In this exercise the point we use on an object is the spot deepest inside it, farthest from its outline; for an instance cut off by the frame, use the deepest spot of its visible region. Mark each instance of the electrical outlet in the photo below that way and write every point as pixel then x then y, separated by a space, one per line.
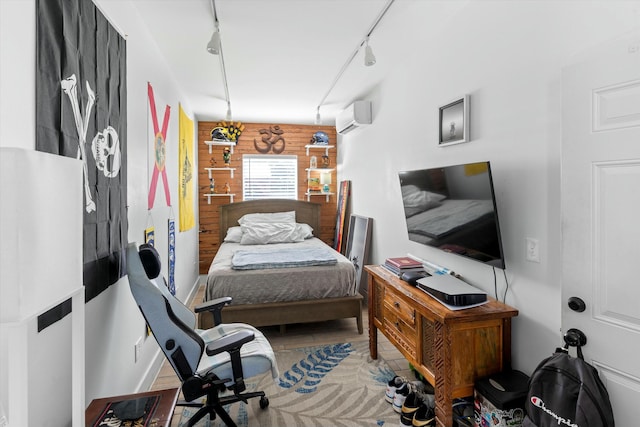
pixel 138 349
pixel 532 249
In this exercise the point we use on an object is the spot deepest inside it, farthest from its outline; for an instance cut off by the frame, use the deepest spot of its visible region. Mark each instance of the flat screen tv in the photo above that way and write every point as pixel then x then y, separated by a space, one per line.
pixel 453 208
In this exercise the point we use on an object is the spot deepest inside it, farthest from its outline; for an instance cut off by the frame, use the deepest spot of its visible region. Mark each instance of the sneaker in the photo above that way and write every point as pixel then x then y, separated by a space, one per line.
pixel 403 391
pixel 393 384
pixel 413 401
pixel 424 416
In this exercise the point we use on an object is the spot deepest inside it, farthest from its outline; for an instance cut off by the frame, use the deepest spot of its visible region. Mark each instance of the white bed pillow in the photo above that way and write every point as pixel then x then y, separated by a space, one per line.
pixel 305 230
pixel 301 232
pixel 270 232
pixel 234 235
pixel 281 217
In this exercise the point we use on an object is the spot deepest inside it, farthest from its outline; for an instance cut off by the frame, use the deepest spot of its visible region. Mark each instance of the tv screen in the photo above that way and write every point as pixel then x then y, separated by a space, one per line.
pixel 453 208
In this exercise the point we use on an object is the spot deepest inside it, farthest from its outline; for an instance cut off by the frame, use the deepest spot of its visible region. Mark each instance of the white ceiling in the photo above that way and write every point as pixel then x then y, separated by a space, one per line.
pixel 281 56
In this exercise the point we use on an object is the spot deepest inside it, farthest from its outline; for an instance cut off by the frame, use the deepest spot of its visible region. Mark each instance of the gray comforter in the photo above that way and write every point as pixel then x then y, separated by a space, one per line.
pixel 279 284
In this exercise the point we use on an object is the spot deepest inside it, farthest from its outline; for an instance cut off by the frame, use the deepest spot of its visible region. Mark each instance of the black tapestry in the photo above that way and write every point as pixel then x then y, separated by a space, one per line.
pixel 81 112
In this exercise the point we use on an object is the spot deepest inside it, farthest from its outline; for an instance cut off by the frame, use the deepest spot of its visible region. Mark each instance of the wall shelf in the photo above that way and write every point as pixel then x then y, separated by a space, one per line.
pixel 309 195
pixel 318 146
pixel 316 193
pixel 221 142
pixel 219 169
pixel 318 170
pixel 210 195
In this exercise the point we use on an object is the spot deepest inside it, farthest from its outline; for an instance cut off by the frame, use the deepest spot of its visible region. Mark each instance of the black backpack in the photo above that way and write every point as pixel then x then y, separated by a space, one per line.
pixel 566 391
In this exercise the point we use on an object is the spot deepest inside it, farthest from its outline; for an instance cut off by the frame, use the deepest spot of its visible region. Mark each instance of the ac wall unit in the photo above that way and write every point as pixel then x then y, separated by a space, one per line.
pixel 355 115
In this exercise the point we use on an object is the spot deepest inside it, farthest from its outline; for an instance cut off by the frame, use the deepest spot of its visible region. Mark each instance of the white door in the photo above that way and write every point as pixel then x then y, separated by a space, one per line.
pixel 601 215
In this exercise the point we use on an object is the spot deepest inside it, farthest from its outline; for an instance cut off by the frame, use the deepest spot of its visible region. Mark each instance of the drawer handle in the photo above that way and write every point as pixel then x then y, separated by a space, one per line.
pixel 396 304
pixel 397 326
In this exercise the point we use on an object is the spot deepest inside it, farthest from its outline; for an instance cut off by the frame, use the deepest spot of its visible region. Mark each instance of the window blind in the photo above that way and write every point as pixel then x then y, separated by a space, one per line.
pixel 269 177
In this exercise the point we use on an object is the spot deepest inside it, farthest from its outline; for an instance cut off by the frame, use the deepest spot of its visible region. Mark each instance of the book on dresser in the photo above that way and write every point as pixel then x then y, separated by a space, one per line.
pixel 399 265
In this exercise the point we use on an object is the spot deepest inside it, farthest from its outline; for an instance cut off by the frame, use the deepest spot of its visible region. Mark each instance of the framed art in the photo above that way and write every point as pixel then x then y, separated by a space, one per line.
pixel 341 217
pixel 358 248
pixel 454 122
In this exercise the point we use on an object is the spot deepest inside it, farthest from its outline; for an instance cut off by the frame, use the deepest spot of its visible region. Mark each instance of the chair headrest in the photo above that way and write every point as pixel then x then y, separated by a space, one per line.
pixel 150 260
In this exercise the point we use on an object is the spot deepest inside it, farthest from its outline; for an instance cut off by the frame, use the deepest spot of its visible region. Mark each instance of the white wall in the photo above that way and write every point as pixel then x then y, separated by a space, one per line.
pixel 508 57
pixel 113 322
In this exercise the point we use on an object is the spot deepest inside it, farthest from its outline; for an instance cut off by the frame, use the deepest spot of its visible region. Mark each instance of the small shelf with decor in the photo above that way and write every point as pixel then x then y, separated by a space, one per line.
pixel 319 185
pixel 326 148
pixel 220 142
pixel 210 195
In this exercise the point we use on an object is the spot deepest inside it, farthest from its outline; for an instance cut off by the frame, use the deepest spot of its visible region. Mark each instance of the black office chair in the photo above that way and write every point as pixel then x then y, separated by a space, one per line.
pixel 206 361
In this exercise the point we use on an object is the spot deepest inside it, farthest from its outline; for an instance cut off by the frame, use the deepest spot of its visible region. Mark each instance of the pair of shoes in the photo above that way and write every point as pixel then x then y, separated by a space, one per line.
pixel 404 391
pixel 418 410
pixel 394 384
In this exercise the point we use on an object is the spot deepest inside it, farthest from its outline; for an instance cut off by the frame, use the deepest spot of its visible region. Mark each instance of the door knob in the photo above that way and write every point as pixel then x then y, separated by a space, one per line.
pixel 577 304
pixel 575 338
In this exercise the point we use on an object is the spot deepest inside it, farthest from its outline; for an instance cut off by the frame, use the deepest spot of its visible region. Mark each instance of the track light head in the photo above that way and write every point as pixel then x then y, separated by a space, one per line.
pixel 213 47
pixel 318 121
pixel 228 116
pixel 369 57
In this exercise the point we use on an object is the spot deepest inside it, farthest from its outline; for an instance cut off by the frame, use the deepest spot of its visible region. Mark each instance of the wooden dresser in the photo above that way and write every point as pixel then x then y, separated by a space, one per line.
pixel 450 348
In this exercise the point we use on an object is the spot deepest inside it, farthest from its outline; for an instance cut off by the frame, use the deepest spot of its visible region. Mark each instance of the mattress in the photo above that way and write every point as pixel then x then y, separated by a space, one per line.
pixel 279 284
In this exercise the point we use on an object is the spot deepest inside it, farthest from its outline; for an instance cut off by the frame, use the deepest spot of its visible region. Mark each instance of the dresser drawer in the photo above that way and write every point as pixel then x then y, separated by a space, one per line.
pixel 402 309
pixel 400 333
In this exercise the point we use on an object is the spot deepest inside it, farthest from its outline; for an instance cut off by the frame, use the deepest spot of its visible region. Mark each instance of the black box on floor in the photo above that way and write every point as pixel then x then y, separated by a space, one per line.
pixel 500 399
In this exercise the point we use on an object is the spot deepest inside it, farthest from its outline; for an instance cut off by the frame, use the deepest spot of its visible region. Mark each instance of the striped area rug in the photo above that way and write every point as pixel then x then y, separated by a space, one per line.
pixel 332 385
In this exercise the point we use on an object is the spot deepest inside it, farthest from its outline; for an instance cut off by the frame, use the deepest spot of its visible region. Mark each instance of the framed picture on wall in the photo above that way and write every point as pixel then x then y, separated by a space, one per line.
pixel 454 122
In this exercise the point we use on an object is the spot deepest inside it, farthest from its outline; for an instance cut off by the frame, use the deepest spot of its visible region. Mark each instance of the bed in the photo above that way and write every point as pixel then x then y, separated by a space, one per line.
pixel 280 295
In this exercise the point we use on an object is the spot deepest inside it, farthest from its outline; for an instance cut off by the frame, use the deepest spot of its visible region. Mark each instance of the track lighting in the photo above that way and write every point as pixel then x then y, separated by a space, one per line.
pixel 369 58
pixel 213 47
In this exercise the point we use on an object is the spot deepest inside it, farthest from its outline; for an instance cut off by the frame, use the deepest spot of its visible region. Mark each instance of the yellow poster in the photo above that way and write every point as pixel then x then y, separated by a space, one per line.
pixel 185 171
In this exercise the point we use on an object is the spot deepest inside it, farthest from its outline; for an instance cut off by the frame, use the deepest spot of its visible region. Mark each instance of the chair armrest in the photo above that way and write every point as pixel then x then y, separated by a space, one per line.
pixel 215 307
pixel 230 342
pixel 214 304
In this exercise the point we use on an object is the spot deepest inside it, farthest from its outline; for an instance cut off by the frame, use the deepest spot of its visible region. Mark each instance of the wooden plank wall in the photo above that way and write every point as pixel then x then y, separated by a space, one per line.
pixel 296 137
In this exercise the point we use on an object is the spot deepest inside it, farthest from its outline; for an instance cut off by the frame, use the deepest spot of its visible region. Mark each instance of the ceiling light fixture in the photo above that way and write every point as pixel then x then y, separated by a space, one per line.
pixel 369 58
pixel 215 47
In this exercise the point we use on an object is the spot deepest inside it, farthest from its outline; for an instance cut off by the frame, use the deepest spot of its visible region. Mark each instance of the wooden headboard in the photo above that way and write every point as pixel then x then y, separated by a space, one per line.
pixel 306 212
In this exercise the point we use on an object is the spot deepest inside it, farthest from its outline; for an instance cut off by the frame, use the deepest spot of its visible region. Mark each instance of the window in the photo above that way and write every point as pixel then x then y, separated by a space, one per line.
pixel 269 177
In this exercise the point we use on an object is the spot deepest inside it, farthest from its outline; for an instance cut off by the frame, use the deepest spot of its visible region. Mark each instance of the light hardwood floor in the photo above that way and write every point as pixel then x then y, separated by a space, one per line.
pixel 301 335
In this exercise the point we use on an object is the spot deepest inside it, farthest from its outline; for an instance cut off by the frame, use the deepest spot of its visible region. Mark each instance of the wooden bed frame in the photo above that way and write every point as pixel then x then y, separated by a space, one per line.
pixel 282 313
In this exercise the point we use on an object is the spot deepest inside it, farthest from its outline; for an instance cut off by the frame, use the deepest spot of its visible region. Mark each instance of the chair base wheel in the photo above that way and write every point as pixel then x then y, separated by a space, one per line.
pixel 264 402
